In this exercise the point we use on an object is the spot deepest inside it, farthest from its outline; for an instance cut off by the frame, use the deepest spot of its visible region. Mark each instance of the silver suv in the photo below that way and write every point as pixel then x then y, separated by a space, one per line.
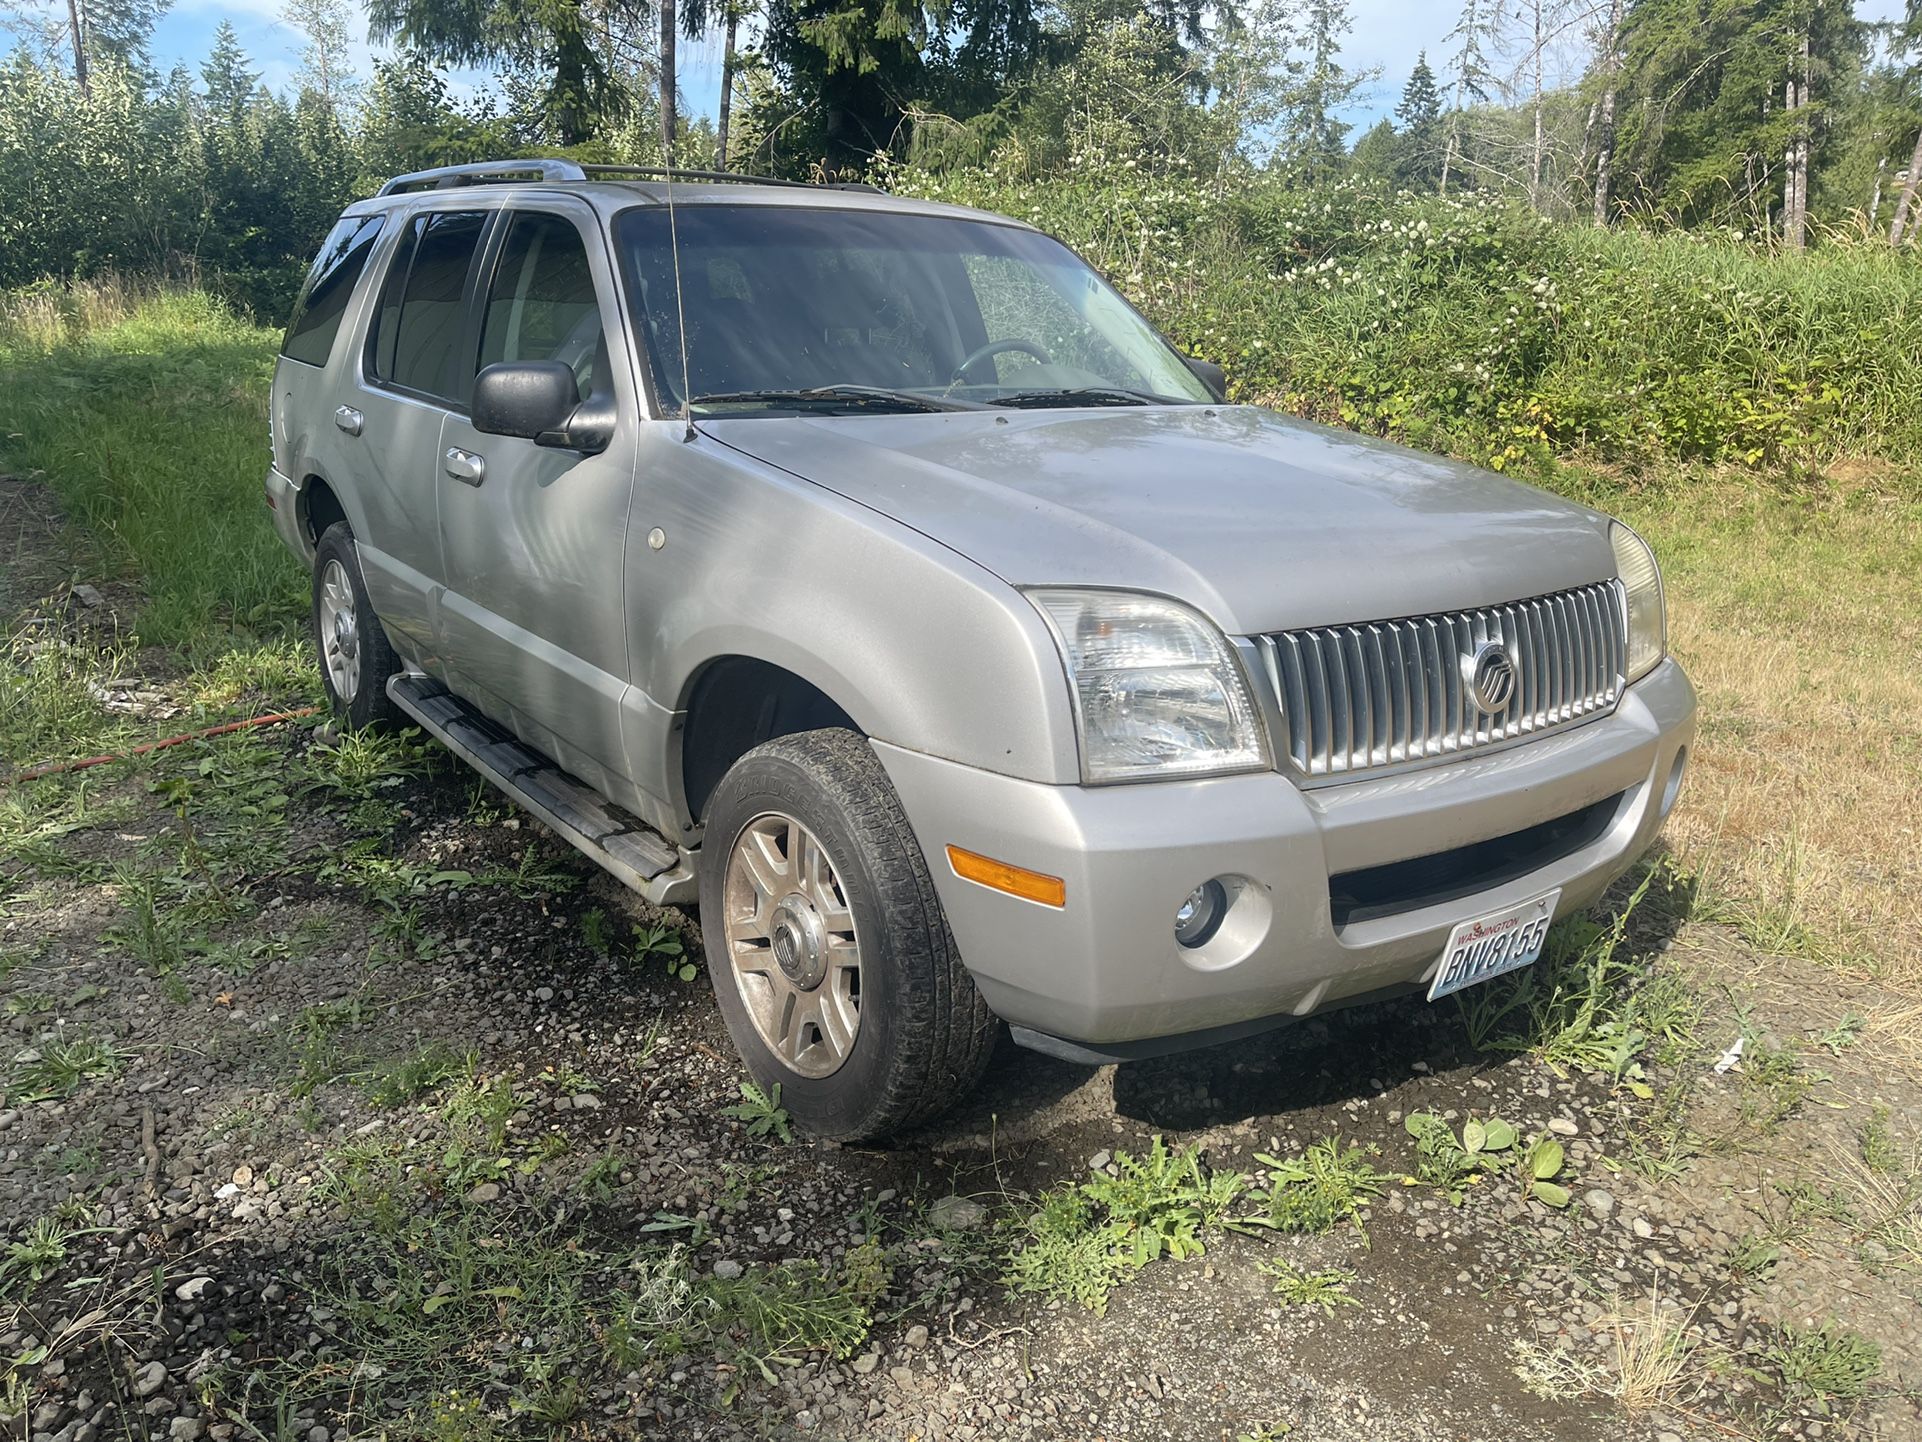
pixel 871 573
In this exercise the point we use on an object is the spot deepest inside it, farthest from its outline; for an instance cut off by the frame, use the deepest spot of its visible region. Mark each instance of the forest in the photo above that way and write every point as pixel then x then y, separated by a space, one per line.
pixel 1775 123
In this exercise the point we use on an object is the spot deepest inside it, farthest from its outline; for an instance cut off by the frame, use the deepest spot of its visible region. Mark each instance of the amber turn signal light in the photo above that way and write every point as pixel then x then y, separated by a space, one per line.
pixel 1014 880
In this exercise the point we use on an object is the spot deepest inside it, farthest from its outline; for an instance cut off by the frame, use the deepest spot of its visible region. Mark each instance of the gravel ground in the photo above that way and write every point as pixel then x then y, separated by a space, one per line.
pixel 358 1109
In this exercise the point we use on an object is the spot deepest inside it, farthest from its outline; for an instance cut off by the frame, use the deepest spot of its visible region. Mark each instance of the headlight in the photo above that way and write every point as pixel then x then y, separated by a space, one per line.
pixel 1647 614
pixel 1157 691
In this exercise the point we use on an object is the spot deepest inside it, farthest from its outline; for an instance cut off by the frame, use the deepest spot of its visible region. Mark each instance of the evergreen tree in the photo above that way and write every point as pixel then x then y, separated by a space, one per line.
pixel 1314 141
pixel 326 69
pixel 230 84
pixel 1419 113
pixel 1469 75
pixel 552 38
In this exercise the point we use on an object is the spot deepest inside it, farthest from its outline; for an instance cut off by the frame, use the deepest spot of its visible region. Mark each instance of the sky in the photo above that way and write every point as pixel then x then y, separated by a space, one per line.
pixel 1388 35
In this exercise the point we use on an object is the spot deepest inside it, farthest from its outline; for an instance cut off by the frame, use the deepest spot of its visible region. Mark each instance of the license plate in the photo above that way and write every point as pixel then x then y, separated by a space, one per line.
pixel 1492 945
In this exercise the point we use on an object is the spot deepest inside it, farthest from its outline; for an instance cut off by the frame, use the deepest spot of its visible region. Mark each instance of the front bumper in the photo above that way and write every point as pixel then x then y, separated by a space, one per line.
pixel 1105 972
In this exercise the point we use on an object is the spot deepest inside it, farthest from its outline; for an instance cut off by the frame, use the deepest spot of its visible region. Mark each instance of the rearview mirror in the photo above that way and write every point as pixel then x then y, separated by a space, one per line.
pixel 537 401
pixel 1211 376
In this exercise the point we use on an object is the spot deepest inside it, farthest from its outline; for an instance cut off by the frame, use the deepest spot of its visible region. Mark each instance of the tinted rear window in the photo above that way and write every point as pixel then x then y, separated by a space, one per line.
pixel 330 285
pixel 421 316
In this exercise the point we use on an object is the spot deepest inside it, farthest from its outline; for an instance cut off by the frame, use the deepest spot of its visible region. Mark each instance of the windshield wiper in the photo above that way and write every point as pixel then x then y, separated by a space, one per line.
pixel 1082 396
pixel 865 397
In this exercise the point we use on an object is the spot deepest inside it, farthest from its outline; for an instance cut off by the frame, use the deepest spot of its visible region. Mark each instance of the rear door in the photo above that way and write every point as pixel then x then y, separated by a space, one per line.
pixel 534 621
pixel 408 379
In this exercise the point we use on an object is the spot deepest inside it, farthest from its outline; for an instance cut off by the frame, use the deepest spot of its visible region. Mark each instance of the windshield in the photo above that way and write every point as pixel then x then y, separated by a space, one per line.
pixel 791 309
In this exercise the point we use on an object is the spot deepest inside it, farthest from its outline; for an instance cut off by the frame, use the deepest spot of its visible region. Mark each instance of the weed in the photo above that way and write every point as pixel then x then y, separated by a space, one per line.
pixel 761 1112
pixel 1843 1035
pixel 1451 1163
pixel 59 1068
pixel 1774 1083
pixel 1085 1237
pixel 1327 1185
pixel 1540 1165
pixel 38 1253
pixel 1751 1258
pixel 595 934
pixel 1267 1432
pixel 664 943
pixel 1828 1362
pixel 602 1179
pixel 410 1077
pixel 1326 1288
pixel 29 1003
pixel 1879 1152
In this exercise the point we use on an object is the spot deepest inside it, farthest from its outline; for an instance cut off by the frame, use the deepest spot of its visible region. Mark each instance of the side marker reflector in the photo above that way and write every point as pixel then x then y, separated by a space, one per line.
pixel 1014 880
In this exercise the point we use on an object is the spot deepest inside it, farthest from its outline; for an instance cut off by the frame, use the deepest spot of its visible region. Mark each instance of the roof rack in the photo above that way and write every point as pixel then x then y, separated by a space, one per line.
pixel 501 172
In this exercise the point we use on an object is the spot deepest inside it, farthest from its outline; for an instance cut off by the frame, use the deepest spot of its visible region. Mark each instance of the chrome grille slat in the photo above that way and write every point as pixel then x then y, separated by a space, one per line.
pixel 1382 694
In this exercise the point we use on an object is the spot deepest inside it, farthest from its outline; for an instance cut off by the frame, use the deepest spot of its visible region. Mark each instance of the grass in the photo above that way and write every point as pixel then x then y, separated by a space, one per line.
pixel 1325 1287
pixel 1826 1362
pixel 1325 1187
pixel 1652 1361
pixel 147 414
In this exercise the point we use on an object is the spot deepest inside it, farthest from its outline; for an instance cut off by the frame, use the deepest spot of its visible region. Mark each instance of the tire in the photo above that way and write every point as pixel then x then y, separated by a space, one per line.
pixel 921 1035
pixel 349 643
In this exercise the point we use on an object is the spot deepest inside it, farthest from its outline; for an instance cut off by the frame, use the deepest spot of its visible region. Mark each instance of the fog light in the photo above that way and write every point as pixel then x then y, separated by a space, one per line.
pixel 1200 915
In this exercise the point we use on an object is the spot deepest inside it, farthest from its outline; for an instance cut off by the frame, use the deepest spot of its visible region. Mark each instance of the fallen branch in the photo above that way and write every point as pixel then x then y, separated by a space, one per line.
pixel 55 768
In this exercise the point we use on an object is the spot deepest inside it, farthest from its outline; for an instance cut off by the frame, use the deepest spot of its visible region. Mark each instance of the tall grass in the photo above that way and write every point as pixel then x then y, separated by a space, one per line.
pixel 145 409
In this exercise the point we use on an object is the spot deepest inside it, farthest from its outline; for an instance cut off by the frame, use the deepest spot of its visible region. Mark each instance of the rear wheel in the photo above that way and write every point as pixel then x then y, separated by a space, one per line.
pixel 355 657
pixel 828 950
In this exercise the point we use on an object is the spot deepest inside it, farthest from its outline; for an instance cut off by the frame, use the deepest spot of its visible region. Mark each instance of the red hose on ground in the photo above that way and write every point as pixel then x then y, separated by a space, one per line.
pixel 54 768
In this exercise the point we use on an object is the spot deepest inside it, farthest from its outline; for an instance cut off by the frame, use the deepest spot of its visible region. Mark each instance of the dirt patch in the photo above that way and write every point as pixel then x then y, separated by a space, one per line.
pixel 340 1102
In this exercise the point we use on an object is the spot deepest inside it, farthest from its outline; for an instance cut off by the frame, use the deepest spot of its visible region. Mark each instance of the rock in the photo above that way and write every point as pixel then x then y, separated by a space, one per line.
pixel 192 1291
pixel 485 1192
pixel 865 1363
pixel 917 1336
pixel 149 1379
pixel 543 993
pixel 727 1269
pixel 957 1214
pixel 1098 1161
pixel 88 596
pixel 185 1429
pixel 587 1102
pixel 1562 1127
pixel 1598 1202
pixel 1640 1226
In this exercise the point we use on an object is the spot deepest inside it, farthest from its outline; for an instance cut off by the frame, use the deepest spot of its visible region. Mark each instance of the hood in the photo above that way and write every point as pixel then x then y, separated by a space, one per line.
pixel 1263 522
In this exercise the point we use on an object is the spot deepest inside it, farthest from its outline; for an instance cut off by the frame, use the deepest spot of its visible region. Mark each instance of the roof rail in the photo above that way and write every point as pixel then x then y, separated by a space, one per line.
pixel 728 176
pixel 497 172
pixel 446 177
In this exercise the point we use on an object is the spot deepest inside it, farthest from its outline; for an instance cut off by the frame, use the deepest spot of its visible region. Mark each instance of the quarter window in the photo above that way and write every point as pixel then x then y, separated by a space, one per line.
pixel 330 285
pixel 418 329
pixel 541 306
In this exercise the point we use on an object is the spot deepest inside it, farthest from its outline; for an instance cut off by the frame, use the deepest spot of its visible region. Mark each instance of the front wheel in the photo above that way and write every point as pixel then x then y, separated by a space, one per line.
pixel 355 657
pixel 828 950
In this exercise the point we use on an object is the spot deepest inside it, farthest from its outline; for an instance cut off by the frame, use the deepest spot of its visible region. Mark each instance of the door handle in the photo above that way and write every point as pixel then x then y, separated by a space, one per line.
pixel 465 466
pixel 348 419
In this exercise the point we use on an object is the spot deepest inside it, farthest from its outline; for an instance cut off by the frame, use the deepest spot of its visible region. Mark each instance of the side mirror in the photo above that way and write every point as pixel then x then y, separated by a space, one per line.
pixel 1211 376
pixel 539 401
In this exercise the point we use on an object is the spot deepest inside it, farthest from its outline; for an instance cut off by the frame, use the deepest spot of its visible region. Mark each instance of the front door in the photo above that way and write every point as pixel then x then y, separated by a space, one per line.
pixel 533 620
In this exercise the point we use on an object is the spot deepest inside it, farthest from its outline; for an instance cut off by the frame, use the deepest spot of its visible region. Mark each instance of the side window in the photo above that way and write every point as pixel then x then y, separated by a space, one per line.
pixel 330 285
pixel 541 305
pixel 420 318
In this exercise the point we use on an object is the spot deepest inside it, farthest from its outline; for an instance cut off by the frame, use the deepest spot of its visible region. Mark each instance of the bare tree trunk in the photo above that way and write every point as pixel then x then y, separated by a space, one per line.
pixel 1802 151
pixel 1535 159
pixel 668 118
pixel 1791 237
pixel 727 88
pixel 1875 194
pixel 77 28
pixel 1448 151
pixel 1907 203
pixel 1605 139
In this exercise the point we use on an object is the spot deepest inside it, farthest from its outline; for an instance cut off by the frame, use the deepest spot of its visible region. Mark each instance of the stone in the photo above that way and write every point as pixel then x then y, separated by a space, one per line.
pixel 1598 1202
pixel 586 1102
pixel 485 1192
pixel 149 1379
pixel 957 1214
pixel 193 1290
pixel 727 1269
pixel 1562 1127
pixel 865 1363
pixel 185 1429
pixel 917 1336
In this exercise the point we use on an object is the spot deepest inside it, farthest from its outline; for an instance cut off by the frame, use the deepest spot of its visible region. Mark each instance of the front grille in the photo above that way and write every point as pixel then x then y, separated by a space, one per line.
pixel 1384 694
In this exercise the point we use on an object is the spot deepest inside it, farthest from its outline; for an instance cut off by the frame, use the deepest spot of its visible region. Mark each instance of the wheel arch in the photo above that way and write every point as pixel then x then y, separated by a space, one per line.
pixel 736 702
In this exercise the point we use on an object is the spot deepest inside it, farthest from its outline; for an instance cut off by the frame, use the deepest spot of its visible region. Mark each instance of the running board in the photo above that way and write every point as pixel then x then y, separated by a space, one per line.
pixel 620 843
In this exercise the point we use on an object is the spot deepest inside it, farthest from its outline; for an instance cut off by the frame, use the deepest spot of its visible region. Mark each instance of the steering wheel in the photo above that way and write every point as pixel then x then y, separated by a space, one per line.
pixel 1001 347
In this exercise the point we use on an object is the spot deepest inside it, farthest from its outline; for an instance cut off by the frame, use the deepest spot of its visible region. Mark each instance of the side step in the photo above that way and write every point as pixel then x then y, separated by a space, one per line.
pixel 622 844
